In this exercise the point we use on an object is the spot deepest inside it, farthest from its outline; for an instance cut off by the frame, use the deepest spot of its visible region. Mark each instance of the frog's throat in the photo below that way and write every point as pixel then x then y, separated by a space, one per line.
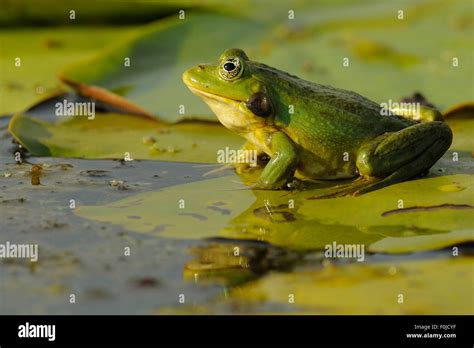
pixel 230 112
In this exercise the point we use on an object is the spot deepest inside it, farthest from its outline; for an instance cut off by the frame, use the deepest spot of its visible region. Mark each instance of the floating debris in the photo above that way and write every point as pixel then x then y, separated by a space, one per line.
pixel 94 172
pixel 96 293
pixel 146 282
pixel 118 184
pixel 62 166
pixel 169 149
pixel 149 140
pixel 52 43
pixel 35 174
pixel 13 200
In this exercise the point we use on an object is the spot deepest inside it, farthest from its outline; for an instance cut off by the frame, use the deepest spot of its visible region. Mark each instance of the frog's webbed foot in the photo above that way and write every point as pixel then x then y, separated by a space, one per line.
pixel 355 188
pixel 298 185
pixel 244 168
pixel 258 159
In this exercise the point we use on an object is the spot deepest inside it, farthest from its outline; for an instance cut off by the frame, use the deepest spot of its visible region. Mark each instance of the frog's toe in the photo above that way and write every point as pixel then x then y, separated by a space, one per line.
pixel 330 195
pixel 371 187
pixel 354 188
pixel 241 168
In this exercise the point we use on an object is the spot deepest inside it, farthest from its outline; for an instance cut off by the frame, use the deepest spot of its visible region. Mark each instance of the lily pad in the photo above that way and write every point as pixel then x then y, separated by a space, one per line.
pixel 57 12
pixel 461 120
pixel 436 286
pixel 422 243
pixel 42 51
pixel 114 135
pixel 291 220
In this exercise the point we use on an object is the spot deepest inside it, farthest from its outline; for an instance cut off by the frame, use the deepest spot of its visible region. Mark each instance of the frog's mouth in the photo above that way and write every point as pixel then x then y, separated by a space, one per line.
pixel 217 97
pixel 229 111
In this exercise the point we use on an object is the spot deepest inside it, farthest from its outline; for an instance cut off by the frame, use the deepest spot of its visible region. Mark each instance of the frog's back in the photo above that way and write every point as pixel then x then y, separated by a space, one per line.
pixel 326 116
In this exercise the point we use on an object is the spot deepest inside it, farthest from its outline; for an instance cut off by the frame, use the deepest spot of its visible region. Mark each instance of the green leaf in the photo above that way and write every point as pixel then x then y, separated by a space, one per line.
pixel 231 210
pixel 21 12
pixel 436 286
pixel 43 51
pixel 461 121
pixel 208 208
pixel 422 243
pixel 113 135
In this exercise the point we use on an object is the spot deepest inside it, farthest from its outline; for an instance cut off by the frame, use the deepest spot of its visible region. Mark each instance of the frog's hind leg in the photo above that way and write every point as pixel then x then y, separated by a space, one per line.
pixel 423 114
pixel 402 155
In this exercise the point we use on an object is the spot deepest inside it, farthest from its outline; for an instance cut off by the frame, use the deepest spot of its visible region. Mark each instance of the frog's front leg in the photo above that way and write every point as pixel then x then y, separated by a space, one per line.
pixel 282 165
pixel 399 156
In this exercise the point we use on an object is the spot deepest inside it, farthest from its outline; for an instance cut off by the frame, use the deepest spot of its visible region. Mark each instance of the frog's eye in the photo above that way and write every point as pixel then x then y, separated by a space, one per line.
pixel 260 104
pixel 231 69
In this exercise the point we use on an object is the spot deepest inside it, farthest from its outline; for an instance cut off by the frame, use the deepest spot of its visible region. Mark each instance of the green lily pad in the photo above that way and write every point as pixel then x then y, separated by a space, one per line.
pixel 291 220
pixel 42 52
pixel 114 135
pixel 461 121
pixel 207 208
pixel 436 286
pixel 394 56
pixel 422 243
pixel 24 12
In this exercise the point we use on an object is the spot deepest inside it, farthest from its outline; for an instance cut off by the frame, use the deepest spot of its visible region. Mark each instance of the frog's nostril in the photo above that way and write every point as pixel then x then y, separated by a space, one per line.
pixel 200 67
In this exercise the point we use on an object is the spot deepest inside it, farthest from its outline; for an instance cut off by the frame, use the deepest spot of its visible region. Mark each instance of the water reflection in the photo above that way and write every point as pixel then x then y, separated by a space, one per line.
pixel 232 262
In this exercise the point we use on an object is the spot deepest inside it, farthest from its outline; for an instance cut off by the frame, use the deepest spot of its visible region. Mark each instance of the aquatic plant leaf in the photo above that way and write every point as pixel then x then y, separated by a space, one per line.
pixel 112 136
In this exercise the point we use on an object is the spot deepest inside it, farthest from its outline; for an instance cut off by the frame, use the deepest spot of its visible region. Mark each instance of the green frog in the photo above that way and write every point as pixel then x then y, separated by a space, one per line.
pixel 317 132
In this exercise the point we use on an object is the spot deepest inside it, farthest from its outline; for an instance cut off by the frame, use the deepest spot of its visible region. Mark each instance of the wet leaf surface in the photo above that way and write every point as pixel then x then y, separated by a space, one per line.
pixel 42 52
pixel 115 135
pixel 291 220
pixel 436 286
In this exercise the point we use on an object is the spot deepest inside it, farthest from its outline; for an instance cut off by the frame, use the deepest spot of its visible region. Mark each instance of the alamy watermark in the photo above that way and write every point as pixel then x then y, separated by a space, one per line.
pixel 400 108
pixel 22 251
pixel 228 155
pixel 28 330
pixel 68 108
pixel 345 251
